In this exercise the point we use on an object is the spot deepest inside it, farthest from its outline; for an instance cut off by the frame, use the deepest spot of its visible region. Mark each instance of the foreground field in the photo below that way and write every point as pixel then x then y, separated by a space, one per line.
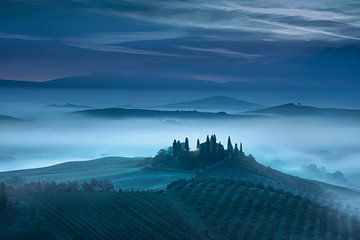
pixel 188 209
pixel 94 215
pixel 242 210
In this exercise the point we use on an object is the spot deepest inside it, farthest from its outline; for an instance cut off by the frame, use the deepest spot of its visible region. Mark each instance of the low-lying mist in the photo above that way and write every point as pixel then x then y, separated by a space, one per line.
pixel 286 144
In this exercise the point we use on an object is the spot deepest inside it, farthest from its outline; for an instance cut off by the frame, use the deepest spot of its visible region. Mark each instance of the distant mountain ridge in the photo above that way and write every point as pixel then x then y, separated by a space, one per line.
pixel 12 120
pixel 119 82
pixel 118 113
pixel 291 109
pixel 68 105
pixel 214 103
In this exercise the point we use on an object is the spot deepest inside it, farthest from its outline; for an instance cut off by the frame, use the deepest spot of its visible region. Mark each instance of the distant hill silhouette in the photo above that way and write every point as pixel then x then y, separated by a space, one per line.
pixel 105 81
pixel 142 113
pixel 292 109
pixel 68 105
pixel 9 120
pixel 214 103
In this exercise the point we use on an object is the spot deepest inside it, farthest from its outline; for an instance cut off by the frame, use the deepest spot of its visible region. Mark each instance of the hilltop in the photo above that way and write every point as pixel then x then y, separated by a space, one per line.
pixel 228 195
pixel 68 105
pixel 119 81
pixel 212 160
pixel 213 103
pixel 293 110
pixel 118 113
pixel 124 173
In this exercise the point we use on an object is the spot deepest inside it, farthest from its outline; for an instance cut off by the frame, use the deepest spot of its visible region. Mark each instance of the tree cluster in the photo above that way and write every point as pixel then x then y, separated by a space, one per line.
pixel 206 154
pixel 94 185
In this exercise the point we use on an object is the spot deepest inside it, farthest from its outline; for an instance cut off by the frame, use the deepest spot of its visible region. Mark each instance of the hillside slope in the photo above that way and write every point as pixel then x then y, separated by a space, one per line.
pixel 189 209
pixel 293 110
pixel 118 113
pixel 124 173
pixel 241 210
pixel 247 169
pixel 220 103
pixel 126 215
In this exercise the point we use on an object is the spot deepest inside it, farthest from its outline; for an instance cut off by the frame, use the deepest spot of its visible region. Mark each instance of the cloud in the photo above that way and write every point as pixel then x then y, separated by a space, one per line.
pixel 221 51
pixel 22 37
pixel 312 171
pixel 215 78
pixel 282 11
pixel 118 49
pixel 124 37
pixel 108 42
pixel 276 19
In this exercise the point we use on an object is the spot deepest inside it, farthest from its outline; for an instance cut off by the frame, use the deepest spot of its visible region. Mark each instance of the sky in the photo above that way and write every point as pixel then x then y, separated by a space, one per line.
pixel 278 43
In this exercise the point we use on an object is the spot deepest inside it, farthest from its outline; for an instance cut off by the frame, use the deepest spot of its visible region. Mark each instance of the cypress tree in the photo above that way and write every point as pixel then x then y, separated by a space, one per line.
pixel 187 148
pixel 229 145
pixel 241 149
pixel 175 149
pixel 207 150
pixel 230 149
pixel 236 151
pixel 213 144
pixel 198 144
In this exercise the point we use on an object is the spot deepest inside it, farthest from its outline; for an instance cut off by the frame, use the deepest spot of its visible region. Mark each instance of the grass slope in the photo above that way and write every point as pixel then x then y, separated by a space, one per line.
pixel 201 208
pixel 240 210
pixel 124 215
pixel 125 173
pixel 247 169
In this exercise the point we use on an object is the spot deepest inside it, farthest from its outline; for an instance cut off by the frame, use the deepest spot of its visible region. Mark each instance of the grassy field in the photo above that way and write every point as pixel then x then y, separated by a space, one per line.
pixel 117 215
pixel 188 209
pixel 241 210
pixel 124 173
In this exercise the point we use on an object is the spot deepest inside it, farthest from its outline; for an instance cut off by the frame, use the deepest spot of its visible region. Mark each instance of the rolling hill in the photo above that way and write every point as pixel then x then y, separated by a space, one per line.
pixel 235 198
pixel 215 103
pixel 95 215
pixel 9 119
pixel 118 113
pixel 243 210
pixel 109 81
pixel 247 169
pixel 125 173
pixel 188 209
pixel 293 110
pixel 6 121
pixel 68 105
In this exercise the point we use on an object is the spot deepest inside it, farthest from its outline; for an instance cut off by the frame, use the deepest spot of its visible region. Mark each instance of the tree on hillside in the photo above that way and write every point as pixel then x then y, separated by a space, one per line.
pixel 198 144
pixel 174 148
pixel 213 144
pixel 236 150
pixel 3 197
pixel 229 145
pixel 187 148
pixel 230 148
pixel 207 146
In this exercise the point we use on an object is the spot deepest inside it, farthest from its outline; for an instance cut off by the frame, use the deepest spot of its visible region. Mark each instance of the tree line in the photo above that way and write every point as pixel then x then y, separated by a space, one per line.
pixel 206 153
pixel 94 185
